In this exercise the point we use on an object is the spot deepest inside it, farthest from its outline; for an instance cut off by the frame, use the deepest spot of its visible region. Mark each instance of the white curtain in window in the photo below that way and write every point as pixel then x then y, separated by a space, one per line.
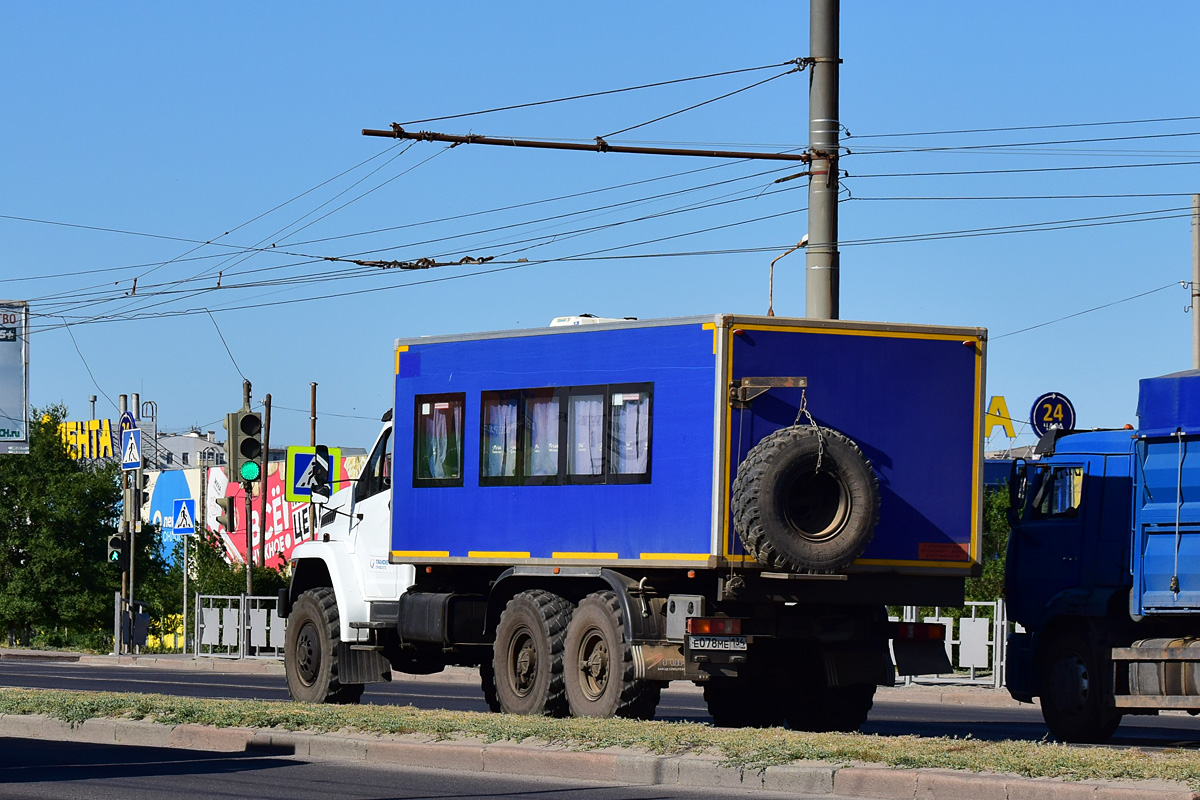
pixel 631 433
pixel 501 438
pixel 443 440
pixel 585 429
pixel 541 450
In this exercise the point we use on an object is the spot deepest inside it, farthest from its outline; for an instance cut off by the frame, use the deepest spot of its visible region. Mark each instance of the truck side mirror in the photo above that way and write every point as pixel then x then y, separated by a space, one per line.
pixel 1017 480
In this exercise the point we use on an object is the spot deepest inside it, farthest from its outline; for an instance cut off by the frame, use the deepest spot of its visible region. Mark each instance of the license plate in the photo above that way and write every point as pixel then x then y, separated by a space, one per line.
pixel 717 642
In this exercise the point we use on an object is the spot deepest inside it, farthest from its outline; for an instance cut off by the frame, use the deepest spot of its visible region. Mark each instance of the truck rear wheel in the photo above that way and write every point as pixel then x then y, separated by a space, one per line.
pixel 311 651
pixel 824 709
pixel 528 654
pixel 805 498
pixel 1074 702
pixel 740 703
pixel 599 666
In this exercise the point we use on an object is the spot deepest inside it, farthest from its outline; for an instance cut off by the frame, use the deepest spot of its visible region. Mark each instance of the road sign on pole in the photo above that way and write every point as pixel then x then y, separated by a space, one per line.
pixel 298 472
pixel 131 449
pixel 184 517
pixel 1051 411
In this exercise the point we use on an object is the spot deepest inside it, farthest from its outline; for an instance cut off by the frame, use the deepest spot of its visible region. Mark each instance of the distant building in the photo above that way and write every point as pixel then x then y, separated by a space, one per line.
pixel 185 450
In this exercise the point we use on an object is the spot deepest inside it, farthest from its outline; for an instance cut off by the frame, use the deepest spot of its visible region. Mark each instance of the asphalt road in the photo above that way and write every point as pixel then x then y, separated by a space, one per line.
pixel 42 769
pixel 895 713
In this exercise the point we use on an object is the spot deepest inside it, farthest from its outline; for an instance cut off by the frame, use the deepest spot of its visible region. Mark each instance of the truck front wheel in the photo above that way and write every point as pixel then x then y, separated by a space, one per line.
pixel 311 651
pixel 528 654
pixel 1074 701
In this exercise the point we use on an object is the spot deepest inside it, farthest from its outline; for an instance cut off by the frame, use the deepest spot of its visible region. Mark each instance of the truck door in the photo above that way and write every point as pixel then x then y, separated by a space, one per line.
pixel 1049 539
pixel 370 523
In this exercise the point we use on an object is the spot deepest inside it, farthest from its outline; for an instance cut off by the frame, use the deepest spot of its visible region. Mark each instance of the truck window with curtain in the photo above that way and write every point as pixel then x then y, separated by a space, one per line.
pixel 629 455
pixel 438 440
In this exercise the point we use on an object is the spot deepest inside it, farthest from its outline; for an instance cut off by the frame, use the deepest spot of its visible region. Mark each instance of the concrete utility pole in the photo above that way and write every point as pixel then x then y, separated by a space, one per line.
pixel 1195 281
pixel 821 257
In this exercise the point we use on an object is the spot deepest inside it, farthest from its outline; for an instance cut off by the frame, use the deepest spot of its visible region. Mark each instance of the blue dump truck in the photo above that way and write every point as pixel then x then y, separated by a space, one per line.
pixel 1103 567
pixel 588 512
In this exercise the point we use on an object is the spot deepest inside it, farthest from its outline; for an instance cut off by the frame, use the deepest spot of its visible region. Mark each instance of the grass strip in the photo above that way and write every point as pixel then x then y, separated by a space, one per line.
pixel 748 748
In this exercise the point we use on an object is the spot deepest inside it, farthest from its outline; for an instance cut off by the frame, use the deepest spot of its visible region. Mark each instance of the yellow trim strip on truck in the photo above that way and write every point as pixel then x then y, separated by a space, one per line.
pixel 400 349
pixel 604 556
pixel 495 554
pixel 421 553
pixel 675 556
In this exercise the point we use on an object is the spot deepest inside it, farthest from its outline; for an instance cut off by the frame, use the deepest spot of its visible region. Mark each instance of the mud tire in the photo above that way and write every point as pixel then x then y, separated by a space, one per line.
pixel 528 654
pixel 311 651
pixel 1073 697
pixel 793 516
pixel 599 668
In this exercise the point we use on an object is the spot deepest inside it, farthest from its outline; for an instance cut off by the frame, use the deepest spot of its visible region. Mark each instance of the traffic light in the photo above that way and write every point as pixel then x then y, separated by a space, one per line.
pixel 116 550
pixel 243 445
pixel 226 519
pixel 250 449
pixel 143 487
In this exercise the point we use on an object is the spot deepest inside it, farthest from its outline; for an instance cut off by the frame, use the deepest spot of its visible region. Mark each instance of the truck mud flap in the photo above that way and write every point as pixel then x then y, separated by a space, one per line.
pixel 362 666
pixel 916 657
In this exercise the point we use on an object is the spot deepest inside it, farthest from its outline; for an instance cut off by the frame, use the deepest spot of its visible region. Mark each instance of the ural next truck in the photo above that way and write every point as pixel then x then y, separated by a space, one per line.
pixel 589 512
pixel 1103 567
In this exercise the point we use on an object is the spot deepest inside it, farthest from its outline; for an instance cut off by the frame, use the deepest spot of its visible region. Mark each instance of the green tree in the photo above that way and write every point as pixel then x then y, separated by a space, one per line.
pixel 56 515
pixel 987 586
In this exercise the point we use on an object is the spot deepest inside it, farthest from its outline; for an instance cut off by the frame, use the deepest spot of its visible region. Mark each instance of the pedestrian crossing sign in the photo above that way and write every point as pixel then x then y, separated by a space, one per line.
pixel 131 449
pixel 184 518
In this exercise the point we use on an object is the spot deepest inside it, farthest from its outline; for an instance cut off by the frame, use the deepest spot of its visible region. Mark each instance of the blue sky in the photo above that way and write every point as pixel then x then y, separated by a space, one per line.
pixel 191 121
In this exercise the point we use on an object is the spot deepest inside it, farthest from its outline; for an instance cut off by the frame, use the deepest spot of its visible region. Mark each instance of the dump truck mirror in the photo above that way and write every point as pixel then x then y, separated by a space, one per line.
pixel 1017 479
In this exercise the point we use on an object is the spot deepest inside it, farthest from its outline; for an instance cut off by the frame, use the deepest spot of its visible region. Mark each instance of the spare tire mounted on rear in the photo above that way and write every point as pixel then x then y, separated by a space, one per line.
pixel 805 499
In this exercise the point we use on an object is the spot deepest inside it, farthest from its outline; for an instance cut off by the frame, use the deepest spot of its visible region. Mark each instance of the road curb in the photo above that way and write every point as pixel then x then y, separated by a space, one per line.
pixel 610 765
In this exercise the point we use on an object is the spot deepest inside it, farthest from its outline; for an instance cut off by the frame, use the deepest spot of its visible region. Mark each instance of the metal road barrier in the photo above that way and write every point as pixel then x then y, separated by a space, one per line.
pixel 238 626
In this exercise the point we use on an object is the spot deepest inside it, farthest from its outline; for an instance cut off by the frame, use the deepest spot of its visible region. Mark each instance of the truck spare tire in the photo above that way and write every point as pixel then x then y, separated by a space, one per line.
pixel 805 499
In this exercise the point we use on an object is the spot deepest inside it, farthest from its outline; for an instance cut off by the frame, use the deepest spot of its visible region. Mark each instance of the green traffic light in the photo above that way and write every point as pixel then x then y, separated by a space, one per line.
pixel 250 470
pixel 114 556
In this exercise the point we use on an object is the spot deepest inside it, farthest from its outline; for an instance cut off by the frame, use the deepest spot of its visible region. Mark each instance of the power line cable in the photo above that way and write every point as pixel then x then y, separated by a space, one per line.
pixel 599 94
pixel 1021 128
pixel 1020 171
pixel 227 350
pixel 87 367
pixel 1086 311
pixel 698 105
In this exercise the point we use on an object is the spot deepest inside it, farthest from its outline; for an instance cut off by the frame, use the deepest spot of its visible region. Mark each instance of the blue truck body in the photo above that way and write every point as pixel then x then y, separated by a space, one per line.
pixel 1104 555
pixel 587 513
pixel 909 396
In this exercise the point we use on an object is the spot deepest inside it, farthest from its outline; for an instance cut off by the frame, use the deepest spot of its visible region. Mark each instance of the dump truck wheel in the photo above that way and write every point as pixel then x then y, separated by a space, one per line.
pixel 599 667
pixel 311 651
pixel 741 703
pixel 528 654
pixel 805 499
pixel 1073 694
pixel 823 709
